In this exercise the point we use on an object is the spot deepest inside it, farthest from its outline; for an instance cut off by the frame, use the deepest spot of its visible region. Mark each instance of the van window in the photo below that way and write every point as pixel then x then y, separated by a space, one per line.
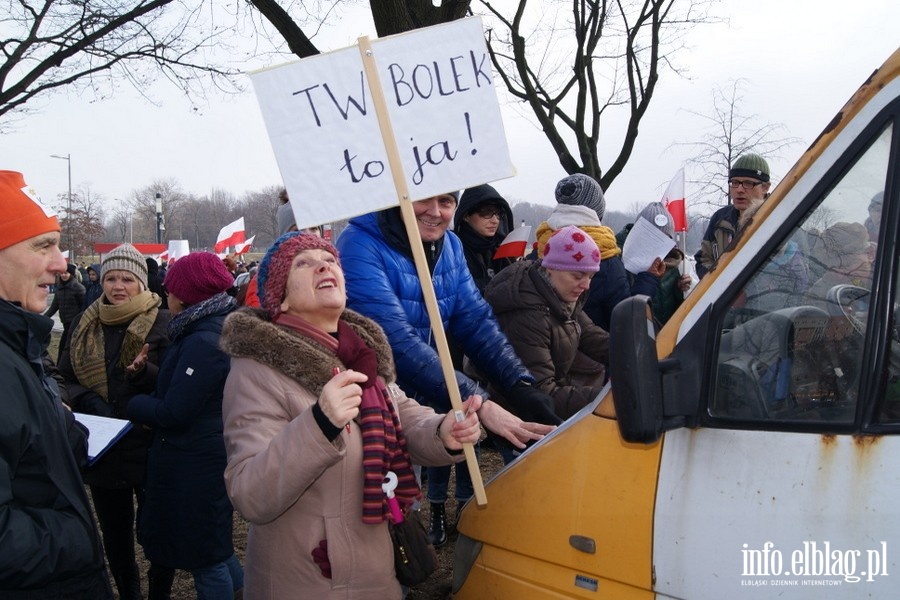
pixel 890 409
pixel 792 340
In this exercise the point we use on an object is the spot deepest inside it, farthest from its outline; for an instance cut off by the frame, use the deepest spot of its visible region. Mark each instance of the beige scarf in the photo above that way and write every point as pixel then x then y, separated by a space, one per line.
pixel 88 350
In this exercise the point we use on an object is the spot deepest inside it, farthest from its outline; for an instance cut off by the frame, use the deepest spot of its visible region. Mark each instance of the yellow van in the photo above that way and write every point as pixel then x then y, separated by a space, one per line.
pixel 756 451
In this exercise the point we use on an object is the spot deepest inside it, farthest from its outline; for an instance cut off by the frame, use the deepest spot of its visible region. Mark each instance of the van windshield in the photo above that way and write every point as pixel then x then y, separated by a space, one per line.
pixel 792 341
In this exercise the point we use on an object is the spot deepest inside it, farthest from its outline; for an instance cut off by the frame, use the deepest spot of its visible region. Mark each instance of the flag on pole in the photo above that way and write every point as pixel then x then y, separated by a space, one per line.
pixel 514 244
pixel 164 257
pixel 244 247
pixel 674 201
pixel 230 235
pixel 65 254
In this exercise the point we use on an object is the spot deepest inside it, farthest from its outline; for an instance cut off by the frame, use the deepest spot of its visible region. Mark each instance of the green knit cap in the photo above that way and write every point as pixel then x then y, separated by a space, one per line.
pixel 750 165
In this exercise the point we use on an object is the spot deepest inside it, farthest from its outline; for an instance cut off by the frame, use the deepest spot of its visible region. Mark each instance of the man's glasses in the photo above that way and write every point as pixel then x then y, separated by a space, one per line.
pixel 488 213
pixel 747 185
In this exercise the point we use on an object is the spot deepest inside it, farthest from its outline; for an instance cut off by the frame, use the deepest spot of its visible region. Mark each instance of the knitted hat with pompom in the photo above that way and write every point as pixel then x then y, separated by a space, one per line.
pixel 271 279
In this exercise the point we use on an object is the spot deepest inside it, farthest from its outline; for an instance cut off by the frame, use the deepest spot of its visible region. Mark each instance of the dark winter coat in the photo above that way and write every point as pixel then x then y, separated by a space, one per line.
pixel 92 289
pixel 186 518
pixel 67 300
pixel 669 296
pixel 122 465
pixel 382 284
pixel 479 250
pixel 722 228
pixel 548 334
pixel 49 546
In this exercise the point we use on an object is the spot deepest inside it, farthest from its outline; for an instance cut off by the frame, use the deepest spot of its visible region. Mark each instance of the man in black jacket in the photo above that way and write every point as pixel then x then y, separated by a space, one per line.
pixel 49 547
pixel 67 301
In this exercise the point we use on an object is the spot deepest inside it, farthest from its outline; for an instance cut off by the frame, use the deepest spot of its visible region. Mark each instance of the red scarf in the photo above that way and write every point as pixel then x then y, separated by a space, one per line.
pixel 384 445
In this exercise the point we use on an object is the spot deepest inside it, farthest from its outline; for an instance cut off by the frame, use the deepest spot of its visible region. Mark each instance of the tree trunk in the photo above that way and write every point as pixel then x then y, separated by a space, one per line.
pixel 397 16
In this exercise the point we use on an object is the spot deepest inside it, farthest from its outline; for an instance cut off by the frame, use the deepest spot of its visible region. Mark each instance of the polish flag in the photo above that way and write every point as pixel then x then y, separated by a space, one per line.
pixel 230 235
pixel 514 244
pixel 164 257
pixel 244 247
pixel 674 201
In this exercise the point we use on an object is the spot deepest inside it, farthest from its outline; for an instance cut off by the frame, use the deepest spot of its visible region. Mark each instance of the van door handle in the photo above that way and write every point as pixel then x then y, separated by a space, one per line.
pixel 583 544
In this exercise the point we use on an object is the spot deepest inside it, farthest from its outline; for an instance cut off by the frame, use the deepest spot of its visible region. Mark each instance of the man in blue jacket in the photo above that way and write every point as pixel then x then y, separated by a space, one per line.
pixel 382 283
pixel 49 547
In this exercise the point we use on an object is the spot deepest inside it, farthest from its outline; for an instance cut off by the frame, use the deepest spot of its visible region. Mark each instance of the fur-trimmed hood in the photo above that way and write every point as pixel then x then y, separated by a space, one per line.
pixel 248 333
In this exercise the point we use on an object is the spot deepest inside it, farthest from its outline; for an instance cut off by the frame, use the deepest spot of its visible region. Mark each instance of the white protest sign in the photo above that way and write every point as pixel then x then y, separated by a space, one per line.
pixel 442 106
pixel 178 249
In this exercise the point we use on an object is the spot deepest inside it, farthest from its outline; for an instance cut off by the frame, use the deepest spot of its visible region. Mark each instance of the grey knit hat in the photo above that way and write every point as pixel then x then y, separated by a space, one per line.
pixel 750 165
pixel 284 218
pixel 125 258
pixel 581 189
pixel 659 217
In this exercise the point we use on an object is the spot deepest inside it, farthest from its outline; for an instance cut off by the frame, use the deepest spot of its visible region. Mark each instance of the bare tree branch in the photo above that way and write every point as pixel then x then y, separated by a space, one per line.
pixel 93 42
pixel 730 133
pixel 615 50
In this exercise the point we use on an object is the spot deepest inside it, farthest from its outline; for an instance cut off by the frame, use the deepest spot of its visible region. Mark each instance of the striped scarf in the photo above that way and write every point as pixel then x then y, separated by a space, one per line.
pixel 384 445
pixel 88 348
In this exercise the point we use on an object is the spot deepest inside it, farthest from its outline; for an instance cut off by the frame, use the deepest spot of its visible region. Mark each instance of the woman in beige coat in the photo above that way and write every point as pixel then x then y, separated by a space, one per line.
pixel 296 468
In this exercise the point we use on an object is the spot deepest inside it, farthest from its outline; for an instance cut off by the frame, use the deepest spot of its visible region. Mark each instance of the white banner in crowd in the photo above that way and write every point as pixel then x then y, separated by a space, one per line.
pixel 443 108
pixel 178 248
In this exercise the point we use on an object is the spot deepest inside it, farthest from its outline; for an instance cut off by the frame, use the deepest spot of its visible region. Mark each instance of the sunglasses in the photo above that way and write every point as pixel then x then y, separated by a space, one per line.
pixel 488 213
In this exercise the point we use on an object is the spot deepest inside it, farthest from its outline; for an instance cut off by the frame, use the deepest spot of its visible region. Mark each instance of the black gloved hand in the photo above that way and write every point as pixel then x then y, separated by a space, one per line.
pixel 531 404
pixel 92 404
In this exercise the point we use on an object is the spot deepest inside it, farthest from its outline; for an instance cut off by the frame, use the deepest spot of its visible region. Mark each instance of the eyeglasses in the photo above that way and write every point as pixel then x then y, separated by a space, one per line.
pixel 747 185
pixel 488 213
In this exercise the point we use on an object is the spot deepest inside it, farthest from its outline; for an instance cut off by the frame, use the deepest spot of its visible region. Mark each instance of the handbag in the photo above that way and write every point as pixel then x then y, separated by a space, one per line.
pixel 414 558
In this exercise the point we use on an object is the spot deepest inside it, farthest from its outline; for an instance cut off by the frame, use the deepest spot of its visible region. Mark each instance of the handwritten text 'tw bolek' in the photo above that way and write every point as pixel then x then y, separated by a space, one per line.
pixel 416 83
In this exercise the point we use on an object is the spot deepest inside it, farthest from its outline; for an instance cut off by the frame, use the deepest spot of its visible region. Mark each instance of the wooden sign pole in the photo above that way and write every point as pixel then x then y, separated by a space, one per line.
pixel 415 241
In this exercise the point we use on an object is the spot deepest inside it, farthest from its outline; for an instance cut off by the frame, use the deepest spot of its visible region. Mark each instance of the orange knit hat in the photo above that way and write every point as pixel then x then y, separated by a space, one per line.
pixel 22 214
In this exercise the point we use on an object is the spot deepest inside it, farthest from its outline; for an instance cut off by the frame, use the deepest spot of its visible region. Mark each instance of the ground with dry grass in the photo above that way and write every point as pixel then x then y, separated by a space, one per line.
pixel 435 588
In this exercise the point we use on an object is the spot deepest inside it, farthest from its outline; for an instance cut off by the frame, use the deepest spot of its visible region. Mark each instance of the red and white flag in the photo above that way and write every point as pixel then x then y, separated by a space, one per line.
pixel 244 247
pixel 514 244
pixel 674 201
pixel 164 257
pixel 230 235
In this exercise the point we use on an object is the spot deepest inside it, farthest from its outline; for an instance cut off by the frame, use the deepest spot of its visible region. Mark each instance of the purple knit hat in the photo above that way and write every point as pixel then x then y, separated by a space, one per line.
pixel 197 277
pixel 571 249
pixel 271 279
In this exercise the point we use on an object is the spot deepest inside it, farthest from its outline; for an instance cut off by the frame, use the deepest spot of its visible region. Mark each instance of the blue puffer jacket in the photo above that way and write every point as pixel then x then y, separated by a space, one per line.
pixel 382 284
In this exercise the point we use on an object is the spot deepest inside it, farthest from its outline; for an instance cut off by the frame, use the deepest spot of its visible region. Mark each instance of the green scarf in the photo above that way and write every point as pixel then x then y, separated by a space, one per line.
pixel 88 350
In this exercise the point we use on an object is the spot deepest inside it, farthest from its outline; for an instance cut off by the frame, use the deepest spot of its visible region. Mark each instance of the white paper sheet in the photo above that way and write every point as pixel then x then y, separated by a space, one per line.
pixel 644 244
pixel 104 432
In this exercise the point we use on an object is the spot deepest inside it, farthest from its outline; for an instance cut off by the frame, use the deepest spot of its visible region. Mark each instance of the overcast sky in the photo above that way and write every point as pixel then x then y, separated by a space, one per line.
pixel 802 59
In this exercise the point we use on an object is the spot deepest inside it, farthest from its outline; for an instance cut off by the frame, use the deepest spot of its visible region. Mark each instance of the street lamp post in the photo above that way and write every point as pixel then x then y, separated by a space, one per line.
pixel 159 218
pixel 68 159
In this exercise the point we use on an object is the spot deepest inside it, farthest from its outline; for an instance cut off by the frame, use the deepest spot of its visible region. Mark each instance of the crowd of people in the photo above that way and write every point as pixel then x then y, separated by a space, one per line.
pixel 290 394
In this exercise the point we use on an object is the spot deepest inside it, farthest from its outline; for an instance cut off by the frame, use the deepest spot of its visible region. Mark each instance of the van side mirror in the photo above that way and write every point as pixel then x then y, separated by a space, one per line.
pixel 651 395
pixel 634 371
